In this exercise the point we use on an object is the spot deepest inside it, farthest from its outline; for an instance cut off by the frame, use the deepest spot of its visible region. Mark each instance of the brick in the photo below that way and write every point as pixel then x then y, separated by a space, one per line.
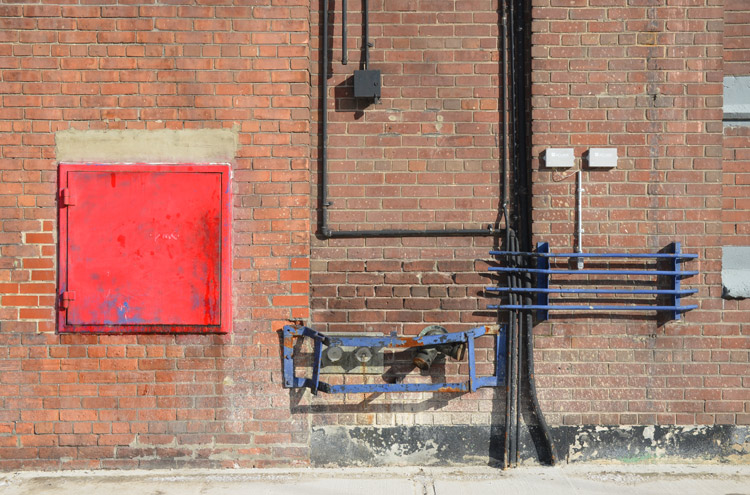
pixel 603 74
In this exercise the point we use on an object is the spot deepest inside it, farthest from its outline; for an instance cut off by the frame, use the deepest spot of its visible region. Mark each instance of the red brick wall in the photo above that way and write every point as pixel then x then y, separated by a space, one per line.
pixel 648 81
pixel 736 188
pixel 128 401
pixel 736 207
pixel 736 38
pixel 736 191
pixel 643 79
pixel 426 157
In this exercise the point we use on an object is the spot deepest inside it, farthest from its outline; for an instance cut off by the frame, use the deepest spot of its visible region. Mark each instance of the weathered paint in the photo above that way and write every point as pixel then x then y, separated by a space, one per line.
pixel 482 444
pixel 290 332
pixel 145 248
pixel 735 271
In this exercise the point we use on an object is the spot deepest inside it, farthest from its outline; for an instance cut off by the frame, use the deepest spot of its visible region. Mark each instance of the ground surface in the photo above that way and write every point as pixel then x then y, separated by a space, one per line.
pixel 576 479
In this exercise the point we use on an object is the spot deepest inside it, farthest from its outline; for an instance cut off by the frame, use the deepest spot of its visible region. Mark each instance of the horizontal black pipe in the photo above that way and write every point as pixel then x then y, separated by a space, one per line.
pixel 348 234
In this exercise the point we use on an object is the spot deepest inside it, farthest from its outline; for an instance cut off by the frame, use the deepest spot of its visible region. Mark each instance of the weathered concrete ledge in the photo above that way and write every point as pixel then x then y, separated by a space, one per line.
pixel 482 444
pixel 735 272
pixel 160 146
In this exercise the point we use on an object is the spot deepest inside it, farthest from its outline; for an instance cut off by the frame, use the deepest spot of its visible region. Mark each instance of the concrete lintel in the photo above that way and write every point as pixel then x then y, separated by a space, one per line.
pixel 735 271
pixel 736 100
pixel 161 145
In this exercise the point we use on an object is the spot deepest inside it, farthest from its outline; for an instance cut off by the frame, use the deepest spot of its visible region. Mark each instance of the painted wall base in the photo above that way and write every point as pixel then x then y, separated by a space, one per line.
pixel 482 445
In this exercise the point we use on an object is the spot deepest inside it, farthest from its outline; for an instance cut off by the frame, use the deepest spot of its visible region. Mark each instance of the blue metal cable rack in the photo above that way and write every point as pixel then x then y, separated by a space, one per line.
pixel 292 333
pixel 543 272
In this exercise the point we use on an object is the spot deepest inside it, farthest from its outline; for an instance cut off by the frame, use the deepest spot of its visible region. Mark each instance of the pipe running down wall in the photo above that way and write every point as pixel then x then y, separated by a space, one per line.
pixel 515 160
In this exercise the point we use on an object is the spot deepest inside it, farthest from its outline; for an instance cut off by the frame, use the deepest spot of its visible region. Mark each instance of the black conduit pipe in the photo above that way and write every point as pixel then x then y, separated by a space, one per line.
pixel 351 234
pixel 512 376
pixel 506 218
pixel 344 51
pixel 324 230
pixel 366 31
pixel 504 98
pixel 518 131
pixel 324 203
pixel 520 102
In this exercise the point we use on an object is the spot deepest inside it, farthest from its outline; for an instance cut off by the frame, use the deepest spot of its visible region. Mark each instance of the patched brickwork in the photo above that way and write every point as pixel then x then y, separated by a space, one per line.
pixel 129 401
pixel 642 77
pixel 736 38
pixel 648 81
pixel 426 157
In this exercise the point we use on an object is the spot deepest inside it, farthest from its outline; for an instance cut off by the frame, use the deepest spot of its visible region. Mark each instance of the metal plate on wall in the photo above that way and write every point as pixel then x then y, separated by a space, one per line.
pixel 144 248
pixel 352 360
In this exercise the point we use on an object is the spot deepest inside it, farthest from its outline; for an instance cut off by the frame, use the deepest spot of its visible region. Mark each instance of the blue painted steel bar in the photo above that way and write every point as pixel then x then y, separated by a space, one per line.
pixel 396 342
pixel 592 272
pixel 368 388
pixel 594 291
pixel 596 255
pixel 542 281
pixel 307 332
pixel 317 355
pixel 288 367
pixel 314 384
pixel 675 273
pixel 593 308
pixel 676 281
pixel 501 350
pixel 472 365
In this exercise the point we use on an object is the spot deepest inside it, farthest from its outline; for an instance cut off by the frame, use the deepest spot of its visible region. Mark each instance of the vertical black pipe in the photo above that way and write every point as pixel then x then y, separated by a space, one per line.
pixel 504 98
pixel 512 376
pixel 324 204
pixel 366 31
pixel 516 283
pixel 504 206
pixel 520 106
pixel 344 50
pixel 519 54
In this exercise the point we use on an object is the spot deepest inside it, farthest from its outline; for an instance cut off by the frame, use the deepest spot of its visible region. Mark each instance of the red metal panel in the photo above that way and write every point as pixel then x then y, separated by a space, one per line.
pixel 144 248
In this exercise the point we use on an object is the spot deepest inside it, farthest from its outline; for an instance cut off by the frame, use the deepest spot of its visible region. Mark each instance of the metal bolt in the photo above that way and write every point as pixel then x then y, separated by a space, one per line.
pixel 334 354
pixel 363 354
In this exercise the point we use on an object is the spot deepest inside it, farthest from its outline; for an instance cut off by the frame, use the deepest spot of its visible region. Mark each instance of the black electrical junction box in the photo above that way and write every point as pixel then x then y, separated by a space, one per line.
pixel 367 84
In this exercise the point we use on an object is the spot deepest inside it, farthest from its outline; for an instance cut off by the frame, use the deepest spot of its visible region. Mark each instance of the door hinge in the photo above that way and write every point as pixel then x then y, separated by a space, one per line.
pixel 67 296
pixel 66 197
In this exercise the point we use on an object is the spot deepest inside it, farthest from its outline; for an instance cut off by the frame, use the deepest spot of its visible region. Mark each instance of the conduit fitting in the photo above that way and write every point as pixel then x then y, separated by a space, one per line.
pixel 426 355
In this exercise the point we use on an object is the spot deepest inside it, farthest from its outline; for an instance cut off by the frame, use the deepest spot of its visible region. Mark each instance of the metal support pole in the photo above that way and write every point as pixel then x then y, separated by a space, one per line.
pixel 344 51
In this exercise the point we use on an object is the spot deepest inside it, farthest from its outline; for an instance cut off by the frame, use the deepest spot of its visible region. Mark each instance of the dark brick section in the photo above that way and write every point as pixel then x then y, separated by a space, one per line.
pixel 478 445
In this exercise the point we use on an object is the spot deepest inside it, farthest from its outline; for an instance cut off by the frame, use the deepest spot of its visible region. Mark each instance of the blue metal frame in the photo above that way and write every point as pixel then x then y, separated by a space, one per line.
pixel 292 333
pixel 677 279
pixel 542 283
pixel 543 271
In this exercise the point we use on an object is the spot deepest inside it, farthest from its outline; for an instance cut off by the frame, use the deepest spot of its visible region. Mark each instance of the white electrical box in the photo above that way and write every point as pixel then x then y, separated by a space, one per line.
pixel 603 157
pixel 559 158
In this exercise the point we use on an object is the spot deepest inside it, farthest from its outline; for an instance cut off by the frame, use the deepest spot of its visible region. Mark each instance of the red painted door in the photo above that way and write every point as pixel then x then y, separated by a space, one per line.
pixel 145 248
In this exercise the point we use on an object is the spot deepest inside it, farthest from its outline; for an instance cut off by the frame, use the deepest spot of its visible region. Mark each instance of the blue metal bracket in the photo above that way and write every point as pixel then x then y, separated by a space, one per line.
pixel 542 283
pixel 543 272
pixel 293 333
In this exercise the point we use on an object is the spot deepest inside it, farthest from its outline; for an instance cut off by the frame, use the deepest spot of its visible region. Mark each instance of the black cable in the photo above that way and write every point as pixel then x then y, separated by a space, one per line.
pixel 520 102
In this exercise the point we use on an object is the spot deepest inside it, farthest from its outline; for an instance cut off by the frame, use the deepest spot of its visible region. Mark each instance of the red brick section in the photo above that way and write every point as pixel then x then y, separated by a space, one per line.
pixel 736 38
pixel 646 78
pixel 426 157
pixel 129 401
pixel 736 204
pixel 736 191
